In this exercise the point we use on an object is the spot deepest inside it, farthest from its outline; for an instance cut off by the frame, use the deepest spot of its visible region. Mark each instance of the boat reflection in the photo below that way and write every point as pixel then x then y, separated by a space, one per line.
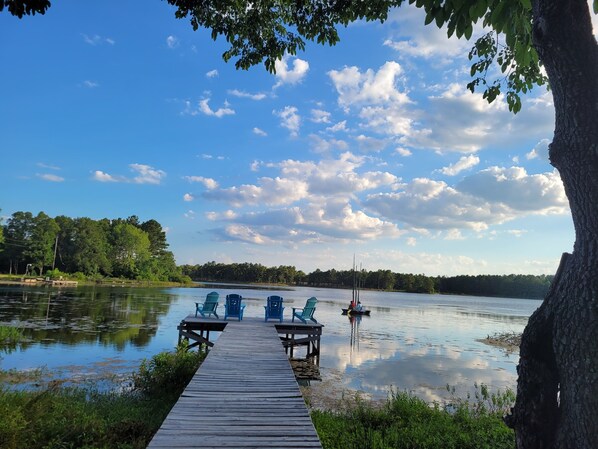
pixel 354 320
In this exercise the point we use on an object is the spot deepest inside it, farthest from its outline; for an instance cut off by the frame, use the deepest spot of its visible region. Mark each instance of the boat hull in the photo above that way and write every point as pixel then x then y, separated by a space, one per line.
pixel 356 312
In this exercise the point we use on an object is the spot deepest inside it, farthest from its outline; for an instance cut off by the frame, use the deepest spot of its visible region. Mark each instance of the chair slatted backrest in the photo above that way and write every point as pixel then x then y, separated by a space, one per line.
pixel 211 302
pixel 310 308
pixel 307 313
pixel 234 306
pixel 209 306
pixel 274 307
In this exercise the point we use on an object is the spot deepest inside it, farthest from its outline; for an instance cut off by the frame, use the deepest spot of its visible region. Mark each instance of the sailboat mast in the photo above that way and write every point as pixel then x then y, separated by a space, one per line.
pixel 354 280
pixel 359 282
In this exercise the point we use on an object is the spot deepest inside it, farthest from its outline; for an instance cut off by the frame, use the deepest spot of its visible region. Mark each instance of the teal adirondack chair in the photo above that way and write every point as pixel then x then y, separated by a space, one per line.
pixel 209 306
pixel 274 308
pixel 234 306
pixel 307 313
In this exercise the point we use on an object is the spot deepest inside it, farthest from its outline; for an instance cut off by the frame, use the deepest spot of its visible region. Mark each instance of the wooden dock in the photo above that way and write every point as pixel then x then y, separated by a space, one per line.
pixel 244 395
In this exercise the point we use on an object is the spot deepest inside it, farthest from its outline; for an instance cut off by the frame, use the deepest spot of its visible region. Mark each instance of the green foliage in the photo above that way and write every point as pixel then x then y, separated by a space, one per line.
pixel 123 248
pixel 58 418
pixel 10 337
pixel 167 372
pixel 510 286
pixel 20 8
pixel 74 418
pixel 409 422
pixel 40 249
pixel 270 29
pixel 130 250
pixel 55 274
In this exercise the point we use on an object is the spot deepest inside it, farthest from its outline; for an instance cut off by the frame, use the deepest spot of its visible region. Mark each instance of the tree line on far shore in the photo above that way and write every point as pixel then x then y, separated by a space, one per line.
pixel 511 286
pixel 123 248
pixel 131 249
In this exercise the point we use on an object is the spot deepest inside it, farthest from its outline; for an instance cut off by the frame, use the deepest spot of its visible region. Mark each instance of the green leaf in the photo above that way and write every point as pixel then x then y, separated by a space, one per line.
pixel 595 6
pixel 458 4
pixel 468 31
pixel 429 18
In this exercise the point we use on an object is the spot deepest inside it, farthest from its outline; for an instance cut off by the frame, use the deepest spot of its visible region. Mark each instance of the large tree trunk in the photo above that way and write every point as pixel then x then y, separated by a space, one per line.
pixel 557 391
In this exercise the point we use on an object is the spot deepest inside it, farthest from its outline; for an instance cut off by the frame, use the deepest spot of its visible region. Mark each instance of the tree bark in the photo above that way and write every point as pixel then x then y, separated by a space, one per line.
pixel 557 390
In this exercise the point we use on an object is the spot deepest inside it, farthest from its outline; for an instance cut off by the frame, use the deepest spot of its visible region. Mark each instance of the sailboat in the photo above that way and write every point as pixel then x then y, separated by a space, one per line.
pixel 356 308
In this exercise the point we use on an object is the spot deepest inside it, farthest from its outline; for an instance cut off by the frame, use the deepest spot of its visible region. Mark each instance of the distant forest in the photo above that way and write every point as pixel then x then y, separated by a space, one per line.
pixel 128 248
pixel 510 286
pixel 124 248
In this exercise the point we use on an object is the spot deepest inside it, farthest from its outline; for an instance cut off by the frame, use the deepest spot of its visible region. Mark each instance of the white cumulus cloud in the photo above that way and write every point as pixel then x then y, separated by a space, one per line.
pixel 101 176
pixel 320 116
pixel 284 75
pixel 243 94
pixel 147 174
pixel 208 183
pixel 355 87
pixel 340 126
pixel 290 119
pixel 204 107
pixel 491 196
pixel 464 163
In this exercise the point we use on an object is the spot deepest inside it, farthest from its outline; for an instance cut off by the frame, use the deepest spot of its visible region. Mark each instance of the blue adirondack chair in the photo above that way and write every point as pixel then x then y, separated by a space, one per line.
pixel 209 306
pixel 234 306
pixel 274 308
pixel 307 313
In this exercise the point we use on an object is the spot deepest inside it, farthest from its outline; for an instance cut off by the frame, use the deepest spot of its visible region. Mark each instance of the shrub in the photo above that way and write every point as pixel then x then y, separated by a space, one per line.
pixel 167 372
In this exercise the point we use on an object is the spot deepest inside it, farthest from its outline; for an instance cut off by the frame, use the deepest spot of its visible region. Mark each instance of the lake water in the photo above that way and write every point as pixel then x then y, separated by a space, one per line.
pixel 414 342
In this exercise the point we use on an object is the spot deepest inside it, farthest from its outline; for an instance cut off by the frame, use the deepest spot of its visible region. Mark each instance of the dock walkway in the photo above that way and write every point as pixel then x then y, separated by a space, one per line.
pixel 244 395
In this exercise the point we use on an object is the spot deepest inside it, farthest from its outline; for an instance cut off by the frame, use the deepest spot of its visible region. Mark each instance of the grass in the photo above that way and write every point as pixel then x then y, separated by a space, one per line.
pixel 69 418
pixel 14 376
pixel 407 422
pixel 10 335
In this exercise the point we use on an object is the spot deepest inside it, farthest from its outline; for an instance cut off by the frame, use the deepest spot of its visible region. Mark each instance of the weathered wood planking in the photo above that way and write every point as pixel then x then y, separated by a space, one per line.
pixel 244 395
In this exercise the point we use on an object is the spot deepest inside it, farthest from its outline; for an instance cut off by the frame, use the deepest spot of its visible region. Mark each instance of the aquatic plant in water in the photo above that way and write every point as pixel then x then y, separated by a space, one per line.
pixel 10 337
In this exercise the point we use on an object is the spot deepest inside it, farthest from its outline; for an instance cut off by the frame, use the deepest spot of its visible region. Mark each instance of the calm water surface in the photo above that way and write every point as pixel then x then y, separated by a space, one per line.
pixel 412 342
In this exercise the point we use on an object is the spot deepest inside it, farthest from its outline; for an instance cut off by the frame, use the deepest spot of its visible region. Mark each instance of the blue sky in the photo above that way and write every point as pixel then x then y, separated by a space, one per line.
pixel 373 147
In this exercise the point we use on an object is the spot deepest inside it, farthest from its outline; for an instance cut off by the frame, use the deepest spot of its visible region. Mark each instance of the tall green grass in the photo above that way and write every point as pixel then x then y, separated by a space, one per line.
pixel 10 335
pixel 69 418
pixel 407 422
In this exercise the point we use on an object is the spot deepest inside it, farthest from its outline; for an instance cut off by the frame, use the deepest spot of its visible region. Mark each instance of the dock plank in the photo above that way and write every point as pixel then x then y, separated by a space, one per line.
pixel 243 396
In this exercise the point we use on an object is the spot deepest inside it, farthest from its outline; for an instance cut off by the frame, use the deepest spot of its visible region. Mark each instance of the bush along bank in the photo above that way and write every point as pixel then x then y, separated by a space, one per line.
pixel 60 418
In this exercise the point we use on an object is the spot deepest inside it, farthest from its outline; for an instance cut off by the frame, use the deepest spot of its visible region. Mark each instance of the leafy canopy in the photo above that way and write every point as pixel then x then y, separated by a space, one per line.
pixel 266 30
pixel 20 8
